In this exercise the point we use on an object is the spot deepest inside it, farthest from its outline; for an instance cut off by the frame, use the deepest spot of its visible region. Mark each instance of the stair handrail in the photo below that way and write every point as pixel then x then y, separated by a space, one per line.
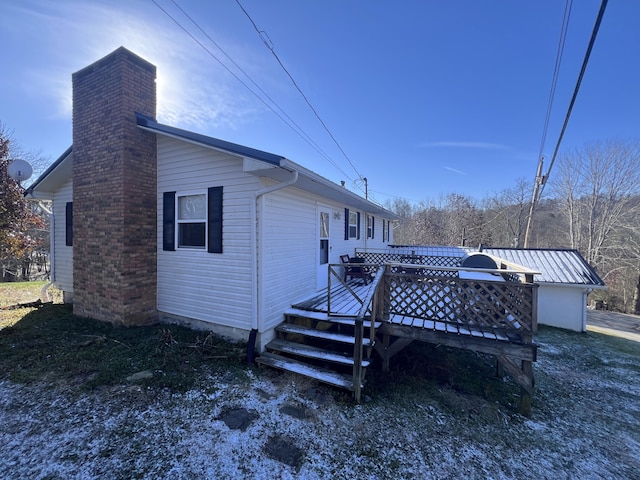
pixel 370 300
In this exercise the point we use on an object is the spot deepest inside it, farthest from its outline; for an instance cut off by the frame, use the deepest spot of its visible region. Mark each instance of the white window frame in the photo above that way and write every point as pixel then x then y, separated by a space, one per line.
pixel 197 220
pixel 369 226
pixel 353 227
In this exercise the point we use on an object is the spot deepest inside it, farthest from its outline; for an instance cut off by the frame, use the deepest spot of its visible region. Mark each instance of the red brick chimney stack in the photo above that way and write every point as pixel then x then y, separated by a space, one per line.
pixel 114 191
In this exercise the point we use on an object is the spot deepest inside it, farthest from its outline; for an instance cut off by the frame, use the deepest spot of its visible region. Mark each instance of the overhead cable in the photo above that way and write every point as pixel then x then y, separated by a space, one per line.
pixel 541 180
pixel 265 38
pixel 556 71
pixel 288 121
pixel 594 34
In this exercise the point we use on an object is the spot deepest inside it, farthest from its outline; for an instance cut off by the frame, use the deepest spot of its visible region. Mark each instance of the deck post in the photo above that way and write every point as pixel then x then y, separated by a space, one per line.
pixel 386 338
pixel 525 395
pixel 357 359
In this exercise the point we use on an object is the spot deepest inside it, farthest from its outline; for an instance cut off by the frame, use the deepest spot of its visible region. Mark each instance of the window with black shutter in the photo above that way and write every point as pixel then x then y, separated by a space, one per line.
pixel 192 220
pixel 68 224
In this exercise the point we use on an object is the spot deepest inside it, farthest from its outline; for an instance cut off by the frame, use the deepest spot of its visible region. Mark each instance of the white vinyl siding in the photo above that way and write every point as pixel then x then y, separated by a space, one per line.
pixel 290 247
pixel 561 306
pixel 219 288
pixel 193 283
pixel 62 254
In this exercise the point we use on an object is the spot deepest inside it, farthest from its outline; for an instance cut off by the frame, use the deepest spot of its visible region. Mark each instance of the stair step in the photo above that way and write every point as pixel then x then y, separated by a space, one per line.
pixel 311 352
pixel 301 368
pixel 309 332
pixel 323 317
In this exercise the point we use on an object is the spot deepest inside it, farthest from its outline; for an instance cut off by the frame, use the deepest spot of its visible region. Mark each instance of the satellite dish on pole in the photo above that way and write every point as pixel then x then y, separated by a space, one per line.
pixel 19 170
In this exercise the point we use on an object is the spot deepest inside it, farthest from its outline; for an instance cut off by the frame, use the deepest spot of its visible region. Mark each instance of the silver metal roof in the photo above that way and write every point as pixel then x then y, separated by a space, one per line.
pixel 555 266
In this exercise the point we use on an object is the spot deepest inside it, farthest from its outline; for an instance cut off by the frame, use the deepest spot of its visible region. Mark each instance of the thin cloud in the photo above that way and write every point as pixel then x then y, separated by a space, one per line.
pixel 193 90
pixel 477 145
pixel 459 172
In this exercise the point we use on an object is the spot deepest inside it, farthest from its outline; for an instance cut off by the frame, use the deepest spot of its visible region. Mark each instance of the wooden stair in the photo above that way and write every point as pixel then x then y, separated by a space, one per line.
pixel 318 346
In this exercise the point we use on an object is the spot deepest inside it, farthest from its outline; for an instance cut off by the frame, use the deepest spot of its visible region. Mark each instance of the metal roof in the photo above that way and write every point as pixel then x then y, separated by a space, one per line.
pixel 562 266
pixel 430 250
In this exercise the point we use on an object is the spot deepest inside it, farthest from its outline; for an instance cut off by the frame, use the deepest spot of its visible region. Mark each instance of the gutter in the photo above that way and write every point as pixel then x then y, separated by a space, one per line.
pixel 257 282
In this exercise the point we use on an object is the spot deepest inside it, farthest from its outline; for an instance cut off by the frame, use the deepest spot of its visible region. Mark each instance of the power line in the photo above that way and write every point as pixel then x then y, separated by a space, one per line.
pixel 290 122
pixel 541 180
pixel 556 71
pixel 264 37
pixel 594 34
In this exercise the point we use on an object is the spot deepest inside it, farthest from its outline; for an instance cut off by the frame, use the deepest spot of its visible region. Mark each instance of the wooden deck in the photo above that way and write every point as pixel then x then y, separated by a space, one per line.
pixel 492 312
pixel 343 302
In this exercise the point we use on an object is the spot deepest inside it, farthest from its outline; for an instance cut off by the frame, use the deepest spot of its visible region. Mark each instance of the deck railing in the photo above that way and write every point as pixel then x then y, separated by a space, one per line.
pixel 485 299
pixel 371 304
pixel 504 298
pixel 481 304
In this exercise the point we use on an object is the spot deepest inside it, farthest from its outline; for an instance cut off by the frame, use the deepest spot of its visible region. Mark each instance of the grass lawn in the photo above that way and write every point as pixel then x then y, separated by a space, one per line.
pixel 48 343
pixel 84 399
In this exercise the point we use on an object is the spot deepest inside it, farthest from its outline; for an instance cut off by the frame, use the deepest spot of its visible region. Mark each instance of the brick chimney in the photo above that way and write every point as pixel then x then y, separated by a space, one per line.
pixel 114 191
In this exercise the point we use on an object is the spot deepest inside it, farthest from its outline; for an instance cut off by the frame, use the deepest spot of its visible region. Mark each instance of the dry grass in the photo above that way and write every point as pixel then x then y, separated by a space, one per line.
pixel 67 410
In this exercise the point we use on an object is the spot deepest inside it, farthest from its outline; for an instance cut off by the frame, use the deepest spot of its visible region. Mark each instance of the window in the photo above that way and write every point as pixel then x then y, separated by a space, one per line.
pixel 370 226
pixel 324 238
pixel 351 224
pixel 385 236
pixel 68 224
pixel 193 220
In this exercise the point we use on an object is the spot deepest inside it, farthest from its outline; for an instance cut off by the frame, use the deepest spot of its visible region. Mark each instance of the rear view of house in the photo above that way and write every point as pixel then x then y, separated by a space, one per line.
pixel 151 222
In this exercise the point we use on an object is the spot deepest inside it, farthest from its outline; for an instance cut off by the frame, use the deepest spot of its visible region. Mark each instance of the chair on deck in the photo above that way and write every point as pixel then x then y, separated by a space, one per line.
pixel 355 271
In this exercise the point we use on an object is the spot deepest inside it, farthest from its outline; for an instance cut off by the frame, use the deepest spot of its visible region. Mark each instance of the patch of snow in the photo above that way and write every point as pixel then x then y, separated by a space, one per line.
pixel 583 425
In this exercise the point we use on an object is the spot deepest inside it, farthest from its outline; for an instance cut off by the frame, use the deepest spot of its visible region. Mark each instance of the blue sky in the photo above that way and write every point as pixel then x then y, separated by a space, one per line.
pixel 424 98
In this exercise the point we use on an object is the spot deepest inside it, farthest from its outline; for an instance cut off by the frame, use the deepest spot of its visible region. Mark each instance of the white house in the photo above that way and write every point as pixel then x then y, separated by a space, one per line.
pixel 151 222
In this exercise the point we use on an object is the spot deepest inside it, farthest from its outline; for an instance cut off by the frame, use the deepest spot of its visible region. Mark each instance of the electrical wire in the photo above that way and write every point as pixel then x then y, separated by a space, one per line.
pixel 556 71
pixel 541 180
pixel 264 37
pixel 290 123
pixel 592 40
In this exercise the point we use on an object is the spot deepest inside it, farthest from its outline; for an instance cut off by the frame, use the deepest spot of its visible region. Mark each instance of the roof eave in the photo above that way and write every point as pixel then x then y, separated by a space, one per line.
pixel 35 190
pixel 273 168
pixel 147 123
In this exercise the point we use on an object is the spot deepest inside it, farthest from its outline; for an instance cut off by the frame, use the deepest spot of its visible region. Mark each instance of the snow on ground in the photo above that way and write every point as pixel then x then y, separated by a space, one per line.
pixel 584 425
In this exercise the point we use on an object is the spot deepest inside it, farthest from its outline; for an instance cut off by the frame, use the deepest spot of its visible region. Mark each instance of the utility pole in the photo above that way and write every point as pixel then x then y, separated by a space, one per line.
pixel 540 180
pixel 366 188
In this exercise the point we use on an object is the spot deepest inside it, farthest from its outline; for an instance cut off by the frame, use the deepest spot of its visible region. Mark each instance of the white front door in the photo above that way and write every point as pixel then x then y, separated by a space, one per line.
pixel 324 220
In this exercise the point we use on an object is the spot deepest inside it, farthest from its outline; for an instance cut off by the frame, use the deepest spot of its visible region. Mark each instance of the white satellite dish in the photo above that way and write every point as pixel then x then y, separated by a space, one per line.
pixel 19 170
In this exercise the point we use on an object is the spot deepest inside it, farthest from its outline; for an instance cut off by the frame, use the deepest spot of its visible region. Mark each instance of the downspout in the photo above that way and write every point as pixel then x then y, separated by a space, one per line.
pixel 585 294
pixel 256 280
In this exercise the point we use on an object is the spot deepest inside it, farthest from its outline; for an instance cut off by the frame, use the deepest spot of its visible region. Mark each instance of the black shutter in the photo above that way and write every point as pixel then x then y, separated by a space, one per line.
pixel 169 221
pixel 384 231
pixel 358 235
pixel 215 220
pixel 346 224
pixel 373 226
pixel 68 224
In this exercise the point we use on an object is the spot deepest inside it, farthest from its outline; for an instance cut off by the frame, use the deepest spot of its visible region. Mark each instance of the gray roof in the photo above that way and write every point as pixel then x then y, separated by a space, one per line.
pixel 562 266
pixel 149 123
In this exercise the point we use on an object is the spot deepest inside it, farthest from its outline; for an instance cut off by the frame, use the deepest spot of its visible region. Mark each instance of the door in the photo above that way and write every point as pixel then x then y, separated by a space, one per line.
pixel 324 220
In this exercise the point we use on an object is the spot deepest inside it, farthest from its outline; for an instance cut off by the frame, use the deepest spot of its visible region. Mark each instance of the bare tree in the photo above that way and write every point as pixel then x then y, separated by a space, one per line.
pixel 596 187
pixel 506 215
